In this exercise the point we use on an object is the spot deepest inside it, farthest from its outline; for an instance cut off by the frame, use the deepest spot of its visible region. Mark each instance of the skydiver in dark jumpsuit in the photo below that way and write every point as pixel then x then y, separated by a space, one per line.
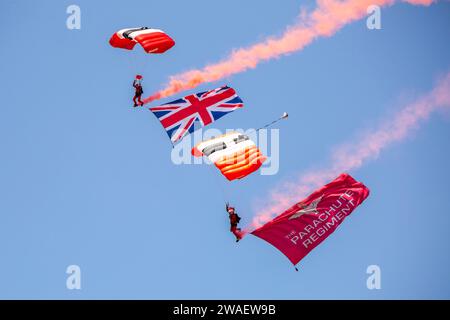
pixel 138 92
pixel 234 220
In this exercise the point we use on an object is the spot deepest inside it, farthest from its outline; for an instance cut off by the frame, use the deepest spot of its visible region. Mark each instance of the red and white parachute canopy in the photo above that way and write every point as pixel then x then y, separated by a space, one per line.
pixel 152 40
pixel 234 154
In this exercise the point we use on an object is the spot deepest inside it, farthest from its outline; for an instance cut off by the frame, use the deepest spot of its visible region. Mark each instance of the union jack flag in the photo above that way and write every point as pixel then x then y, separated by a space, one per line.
pixel 180 117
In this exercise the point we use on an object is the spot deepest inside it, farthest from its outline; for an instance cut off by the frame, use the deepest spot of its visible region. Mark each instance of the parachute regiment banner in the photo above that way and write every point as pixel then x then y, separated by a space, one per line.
pixel 305 225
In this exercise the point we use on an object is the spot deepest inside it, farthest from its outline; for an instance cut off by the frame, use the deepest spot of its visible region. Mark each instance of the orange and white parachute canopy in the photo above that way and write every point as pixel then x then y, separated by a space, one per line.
pixel 152 40
pixel 234 154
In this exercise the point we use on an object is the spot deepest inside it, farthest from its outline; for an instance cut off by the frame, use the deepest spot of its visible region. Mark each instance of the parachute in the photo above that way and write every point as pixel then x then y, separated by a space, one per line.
pixel 234 154
pixel 152 40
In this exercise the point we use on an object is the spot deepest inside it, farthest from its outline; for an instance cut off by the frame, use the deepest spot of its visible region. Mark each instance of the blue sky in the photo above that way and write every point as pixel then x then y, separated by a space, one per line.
pixel 85 179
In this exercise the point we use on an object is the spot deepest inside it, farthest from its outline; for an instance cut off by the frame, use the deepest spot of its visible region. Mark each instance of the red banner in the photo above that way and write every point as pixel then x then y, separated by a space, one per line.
pixel 305 225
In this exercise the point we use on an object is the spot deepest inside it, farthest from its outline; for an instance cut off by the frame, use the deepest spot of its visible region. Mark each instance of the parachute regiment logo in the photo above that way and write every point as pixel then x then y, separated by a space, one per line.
pixel 310 209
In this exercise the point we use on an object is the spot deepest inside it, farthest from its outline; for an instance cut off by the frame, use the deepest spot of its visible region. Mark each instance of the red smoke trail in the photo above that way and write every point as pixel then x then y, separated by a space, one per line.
pixel 329 17
pixel 353 155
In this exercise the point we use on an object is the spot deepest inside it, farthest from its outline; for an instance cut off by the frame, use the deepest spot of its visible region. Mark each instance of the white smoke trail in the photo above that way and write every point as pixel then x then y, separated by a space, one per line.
pixel 353 155
pixel 329 17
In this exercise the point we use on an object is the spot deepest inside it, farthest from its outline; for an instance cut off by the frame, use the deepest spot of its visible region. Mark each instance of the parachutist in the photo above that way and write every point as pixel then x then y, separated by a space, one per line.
pixel 234 220
pixel 138 91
